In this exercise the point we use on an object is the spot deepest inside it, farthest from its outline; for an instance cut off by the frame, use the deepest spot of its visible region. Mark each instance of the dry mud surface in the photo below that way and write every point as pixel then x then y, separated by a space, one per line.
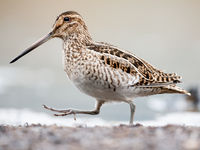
pixel 138 137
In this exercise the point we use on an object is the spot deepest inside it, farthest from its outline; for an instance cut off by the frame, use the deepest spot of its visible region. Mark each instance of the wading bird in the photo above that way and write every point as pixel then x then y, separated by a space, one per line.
pixel 103 71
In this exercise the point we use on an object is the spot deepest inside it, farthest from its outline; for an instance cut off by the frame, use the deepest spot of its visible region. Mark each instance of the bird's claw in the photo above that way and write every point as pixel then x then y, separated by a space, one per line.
pixel 67 113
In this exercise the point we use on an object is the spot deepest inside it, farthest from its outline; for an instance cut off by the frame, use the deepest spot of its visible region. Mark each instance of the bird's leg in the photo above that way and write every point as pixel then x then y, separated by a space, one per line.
pixel 71 111
pixel 132 107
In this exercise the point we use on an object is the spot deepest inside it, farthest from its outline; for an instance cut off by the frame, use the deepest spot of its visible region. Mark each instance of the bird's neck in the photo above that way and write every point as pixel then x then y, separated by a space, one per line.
pixel 80 37
pixel 76 42
pixel 74 47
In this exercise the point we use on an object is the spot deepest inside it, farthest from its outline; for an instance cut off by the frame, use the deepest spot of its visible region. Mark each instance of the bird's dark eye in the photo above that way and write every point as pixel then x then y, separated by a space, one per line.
pixel 66 19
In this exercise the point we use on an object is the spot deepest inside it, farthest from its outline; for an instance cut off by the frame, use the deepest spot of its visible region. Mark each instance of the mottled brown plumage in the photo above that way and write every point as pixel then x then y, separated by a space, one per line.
pixel 104 71
pixel 149 74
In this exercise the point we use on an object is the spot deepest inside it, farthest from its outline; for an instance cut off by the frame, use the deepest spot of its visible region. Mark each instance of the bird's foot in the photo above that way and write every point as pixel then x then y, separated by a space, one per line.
pixel 68 112
pixel 61 112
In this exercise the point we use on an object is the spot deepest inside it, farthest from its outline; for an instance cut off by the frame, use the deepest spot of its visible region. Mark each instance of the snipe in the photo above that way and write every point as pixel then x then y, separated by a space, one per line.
pixel 104 71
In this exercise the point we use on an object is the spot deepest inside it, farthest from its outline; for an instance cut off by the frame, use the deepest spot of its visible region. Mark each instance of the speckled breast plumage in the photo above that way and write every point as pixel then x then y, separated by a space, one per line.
pixel 93 76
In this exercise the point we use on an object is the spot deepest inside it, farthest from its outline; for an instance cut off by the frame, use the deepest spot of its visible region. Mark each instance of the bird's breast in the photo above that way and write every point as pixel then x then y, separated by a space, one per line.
pixel 95 78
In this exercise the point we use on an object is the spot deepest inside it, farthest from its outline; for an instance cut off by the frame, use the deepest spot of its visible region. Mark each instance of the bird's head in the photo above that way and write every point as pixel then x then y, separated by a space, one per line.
pixel 68 24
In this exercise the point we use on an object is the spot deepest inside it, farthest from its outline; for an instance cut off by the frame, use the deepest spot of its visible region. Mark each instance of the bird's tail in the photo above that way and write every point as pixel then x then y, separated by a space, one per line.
pixel 173 89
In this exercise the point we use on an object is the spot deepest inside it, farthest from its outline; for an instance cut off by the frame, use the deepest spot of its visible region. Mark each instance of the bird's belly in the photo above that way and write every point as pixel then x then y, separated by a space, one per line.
pixel 103 86
pixel 102 91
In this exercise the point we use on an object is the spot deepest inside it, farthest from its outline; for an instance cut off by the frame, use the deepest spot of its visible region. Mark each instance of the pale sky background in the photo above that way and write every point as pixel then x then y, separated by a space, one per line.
pixel 166 33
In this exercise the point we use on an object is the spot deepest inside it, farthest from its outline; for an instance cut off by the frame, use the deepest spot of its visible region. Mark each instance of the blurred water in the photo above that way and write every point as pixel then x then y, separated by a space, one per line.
pixel 25 117
pixel 34 88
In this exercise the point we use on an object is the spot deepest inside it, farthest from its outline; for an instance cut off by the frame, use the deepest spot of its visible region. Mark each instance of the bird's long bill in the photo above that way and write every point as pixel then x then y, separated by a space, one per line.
pixel 33 46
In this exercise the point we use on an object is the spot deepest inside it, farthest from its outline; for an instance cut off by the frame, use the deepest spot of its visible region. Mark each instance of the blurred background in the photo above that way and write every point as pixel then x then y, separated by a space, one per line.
pixel 164 33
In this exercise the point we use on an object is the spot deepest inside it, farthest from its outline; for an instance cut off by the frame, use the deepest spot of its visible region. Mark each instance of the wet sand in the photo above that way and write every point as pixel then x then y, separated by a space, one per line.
pixel 38 137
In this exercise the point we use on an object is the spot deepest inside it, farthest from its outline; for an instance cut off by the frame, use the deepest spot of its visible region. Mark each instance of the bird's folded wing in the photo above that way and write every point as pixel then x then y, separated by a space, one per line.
pixel 132 64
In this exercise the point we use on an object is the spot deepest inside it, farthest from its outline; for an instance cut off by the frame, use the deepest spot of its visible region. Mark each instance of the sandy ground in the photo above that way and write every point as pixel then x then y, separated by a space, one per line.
pixel 37 137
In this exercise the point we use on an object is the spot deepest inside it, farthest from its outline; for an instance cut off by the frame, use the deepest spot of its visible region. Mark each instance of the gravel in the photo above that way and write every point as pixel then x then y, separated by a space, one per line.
pixel 123 137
